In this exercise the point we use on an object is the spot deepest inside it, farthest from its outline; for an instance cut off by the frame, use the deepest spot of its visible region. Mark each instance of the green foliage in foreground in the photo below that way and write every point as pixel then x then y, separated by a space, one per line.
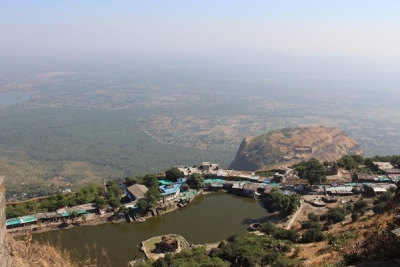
pixel 314 229
pixel 278 233
pixel 239 250
pixel 382 201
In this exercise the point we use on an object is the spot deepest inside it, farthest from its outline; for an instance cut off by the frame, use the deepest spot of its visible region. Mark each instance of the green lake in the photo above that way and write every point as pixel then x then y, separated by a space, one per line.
pixel 209 218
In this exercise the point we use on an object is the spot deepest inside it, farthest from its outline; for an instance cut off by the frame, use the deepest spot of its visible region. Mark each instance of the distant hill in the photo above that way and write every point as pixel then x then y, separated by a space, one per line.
pixel 291 145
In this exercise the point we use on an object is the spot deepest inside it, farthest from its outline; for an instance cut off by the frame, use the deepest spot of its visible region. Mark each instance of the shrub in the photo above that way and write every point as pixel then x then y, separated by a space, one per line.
pixel 313 217
pixel 385 197
pixel 349 208
pixel 269 228
pixel 290 235
pixel 311 225
pixel 336 215
pixel 351 258
pixel 361 204
pixel 378 208
pixel 313 235
pixel 322 217
pixel 355 216
pixel 361 212
pixel 283 261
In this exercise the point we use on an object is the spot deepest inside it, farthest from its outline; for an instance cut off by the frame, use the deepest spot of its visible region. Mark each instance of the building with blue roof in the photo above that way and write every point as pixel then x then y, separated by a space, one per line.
pixel 21 221
pixel 171 191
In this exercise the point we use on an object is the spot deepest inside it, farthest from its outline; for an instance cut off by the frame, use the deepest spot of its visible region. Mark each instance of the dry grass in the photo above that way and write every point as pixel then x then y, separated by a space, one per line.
pixel 28 253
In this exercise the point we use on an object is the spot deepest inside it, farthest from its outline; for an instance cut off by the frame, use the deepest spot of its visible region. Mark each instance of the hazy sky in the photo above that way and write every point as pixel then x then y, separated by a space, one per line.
pixel 77 28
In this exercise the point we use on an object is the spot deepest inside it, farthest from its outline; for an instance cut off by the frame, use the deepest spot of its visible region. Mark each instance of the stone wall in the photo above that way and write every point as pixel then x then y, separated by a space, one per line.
pixel 4 256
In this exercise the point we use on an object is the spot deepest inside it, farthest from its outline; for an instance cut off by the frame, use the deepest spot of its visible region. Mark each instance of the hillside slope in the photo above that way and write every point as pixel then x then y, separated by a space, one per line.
pixel 293 145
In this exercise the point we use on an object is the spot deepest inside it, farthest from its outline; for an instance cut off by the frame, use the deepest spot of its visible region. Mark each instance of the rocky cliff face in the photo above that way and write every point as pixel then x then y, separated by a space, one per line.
pixel 293 145
pixel 5 260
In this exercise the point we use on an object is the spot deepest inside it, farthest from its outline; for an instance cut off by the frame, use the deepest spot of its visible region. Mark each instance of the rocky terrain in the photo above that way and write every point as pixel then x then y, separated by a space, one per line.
pixel 291 145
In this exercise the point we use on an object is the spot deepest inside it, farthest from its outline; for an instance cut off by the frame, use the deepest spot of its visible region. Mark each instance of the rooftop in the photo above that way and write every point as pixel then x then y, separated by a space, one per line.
pixel 138 190
pixel 170 189
pixel 383 165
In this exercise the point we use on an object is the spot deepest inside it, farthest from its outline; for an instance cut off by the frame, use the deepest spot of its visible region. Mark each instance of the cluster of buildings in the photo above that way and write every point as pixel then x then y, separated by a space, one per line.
pixel 60 215
pixel 208 169
pixel 377 184
pixel 169 190
pixel 243 183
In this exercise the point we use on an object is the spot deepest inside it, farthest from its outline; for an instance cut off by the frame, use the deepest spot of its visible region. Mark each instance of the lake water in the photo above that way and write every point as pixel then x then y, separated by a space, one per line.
pixel 209 218
pixel 7 99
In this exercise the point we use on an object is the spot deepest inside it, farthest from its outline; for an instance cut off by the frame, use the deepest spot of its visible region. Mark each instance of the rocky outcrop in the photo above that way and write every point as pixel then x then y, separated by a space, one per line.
pixel 5 259
pixel 293 145
pixel 168 243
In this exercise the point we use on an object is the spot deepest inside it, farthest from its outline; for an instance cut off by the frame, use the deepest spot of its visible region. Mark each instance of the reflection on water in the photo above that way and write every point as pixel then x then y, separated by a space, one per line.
pixel 208 218
pixel 7 99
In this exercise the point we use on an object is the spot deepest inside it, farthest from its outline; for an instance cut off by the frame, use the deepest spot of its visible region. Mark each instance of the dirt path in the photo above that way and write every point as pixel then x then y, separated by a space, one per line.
pixel 289 224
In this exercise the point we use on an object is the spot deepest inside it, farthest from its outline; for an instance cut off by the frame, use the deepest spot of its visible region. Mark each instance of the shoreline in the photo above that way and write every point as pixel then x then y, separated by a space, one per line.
pixel 94 220
pixel 91 220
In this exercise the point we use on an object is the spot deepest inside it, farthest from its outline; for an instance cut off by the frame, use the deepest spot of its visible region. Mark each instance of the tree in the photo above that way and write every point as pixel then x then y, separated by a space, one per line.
pixel 110 183
pixel 32 206
pixel 173 174
pixel 313 235
pixel 349 162
pixel 114 190
pixel 101 203
pixel 74 215
pixel 312 170
pixel 276 201
pixel 150 180
pixel 360 205
pixel 143 205
pixel 196 181
pixel 154 192
pixel 133 180
pixel 114 201
pixel 123 209
pixel 357 158
pixel 13 212
pixel 336 215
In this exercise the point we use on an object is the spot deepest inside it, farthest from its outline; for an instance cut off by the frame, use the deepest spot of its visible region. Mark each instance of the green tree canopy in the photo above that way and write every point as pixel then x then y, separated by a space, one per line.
pixel 173 174
pixel 143 205
pixel 150 180
pixel 348 162
pixel 312 170
pixel 12 212
pixel 101 203
pixel 133 180
pixel 276 201
pixel 114 190
pixel 114 201
pixel 196 181
pixel 74 215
